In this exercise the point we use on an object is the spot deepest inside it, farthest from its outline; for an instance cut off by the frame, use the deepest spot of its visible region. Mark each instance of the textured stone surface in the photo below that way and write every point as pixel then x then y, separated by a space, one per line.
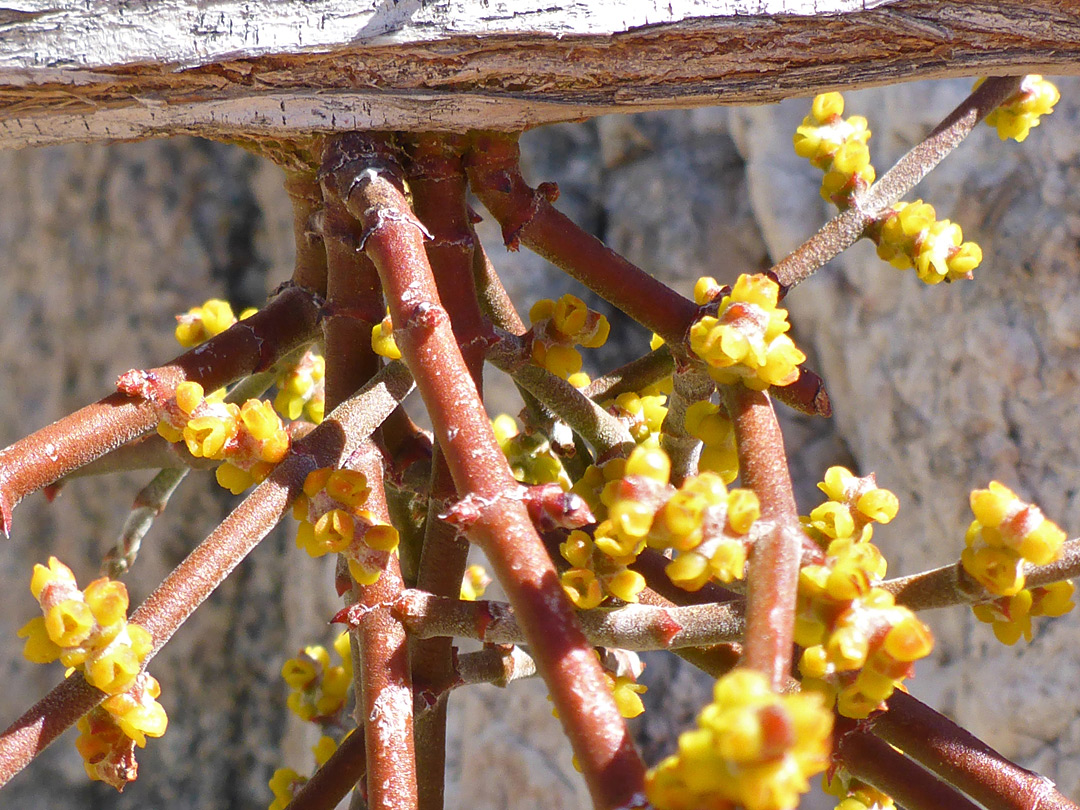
pixel 943 389
pixel 937 390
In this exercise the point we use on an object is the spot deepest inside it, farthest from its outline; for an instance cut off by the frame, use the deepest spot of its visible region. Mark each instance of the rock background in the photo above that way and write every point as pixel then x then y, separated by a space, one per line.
pixel 936 389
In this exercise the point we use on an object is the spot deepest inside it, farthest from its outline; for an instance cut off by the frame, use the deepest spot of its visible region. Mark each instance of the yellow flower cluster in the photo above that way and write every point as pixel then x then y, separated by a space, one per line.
pixel 286 783
pixel 854 503
pixel 249 438
pixel 859 644
pixel 201 323
pixel 332 520
pixel 474 583
pixel 593 481
pixel 838 147
pixel 705 524
pixel 1021 111
pixel 643 414
pixel 1010 616
pixel 531 458
pixel 1006 533
pixel 709 423
pixel 752 747
pixel 109 733
pixel 596 574
pixel 382 339
pixel 909 236
pixel 88 630
pixel 854 794
pixel 559 326
pixel 746 341
pixel 627 693
pixel 301 389
pixel 318 688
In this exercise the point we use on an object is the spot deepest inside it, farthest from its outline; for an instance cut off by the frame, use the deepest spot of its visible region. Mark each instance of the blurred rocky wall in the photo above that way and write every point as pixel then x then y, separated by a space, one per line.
pixel 937 390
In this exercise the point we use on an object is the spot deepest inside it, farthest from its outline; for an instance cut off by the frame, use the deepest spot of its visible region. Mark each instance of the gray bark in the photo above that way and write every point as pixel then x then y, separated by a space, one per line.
pixel 109 70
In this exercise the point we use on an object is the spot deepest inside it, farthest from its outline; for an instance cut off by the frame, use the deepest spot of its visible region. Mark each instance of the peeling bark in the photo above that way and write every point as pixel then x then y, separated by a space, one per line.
pixel 225 69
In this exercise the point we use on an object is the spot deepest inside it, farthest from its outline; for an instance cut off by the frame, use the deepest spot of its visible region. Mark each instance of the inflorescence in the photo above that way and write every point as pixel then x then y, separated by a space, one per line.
pixel 1006 534
pixel 752 747
pixel 87 630
pixel 859 645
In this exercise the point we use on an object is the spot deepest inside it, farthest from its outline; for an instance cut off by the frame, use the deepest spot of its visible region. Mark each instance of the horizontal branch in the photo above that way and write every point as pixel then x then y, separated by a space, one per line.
pixel 225 68
pixel 950 585
pixel 59 449
pixel 631 627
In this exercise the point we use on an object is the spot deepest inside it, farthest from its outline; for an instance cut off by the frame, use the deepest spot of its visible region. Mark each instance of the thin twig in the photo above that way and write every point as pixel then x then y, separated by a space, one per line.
pixel 252 344
pixel 499 666
pixel 961 759
pixel 690 384
pixel 152 499
pixel 150 502
pixel 951 585
pixel 526 216
pixel 606 434
pixel 634 376
pixel 847 227
pixel 630 627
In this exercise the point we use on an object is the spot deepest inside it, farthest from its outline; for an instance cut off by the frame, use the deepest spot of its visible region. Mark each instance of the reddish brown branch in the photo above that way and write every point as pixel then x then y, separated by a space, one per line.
pixel 773 571
pixel 844 229
pixel 384 705
pixel 191 582
pixel 631 627
pixel 354 305
pixel 806 395
pixel 951 585
pixel 437 180
pixel 501 526
pixel 961 759
pixel 332 782
pixel 526 216
pixel 67 444
pixel 878 764
pixel 633 376
pixel 305 194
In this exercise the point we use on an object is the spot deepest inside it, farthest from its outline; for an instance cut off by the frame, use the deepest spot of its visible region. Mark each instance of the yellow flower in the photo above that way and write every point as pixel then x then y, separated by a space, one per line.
pixel 746 341
pixel 837 147
pixel 301 389
pixel 910 236
pixel 382 339
pixel 201 323
pixel 558 326
pixel 1021 111
pixel 752 747
pixel 474 583
pixel 1007 532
